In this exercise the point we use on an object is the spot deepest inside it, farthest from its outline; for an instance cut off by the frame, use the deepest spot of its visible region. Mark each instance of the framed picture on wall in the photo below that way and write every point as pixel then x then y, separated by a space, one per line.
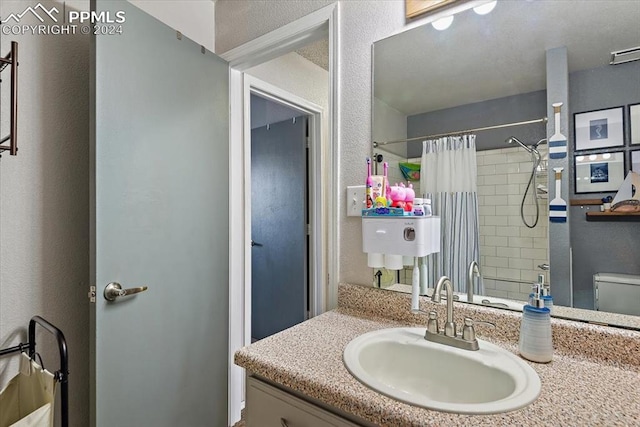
pixel 415 8
pixel 635 161
pixel 634 118
pixel 599 129
pixel 599 173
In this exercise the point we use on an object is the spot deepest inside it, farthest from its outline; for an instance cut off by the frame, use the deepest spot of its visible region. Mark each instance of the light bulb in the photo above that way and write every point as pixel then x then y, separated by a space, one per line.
pixel 442 23
pixel 579 158
pixel 483 9
pixel 606 156
pixel 592 157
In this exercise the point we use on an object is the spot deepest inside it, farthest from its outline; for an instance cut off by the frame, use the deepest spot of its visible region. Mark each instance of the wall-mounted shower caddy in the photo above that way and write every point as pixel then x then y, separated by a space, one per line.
pixel 11 62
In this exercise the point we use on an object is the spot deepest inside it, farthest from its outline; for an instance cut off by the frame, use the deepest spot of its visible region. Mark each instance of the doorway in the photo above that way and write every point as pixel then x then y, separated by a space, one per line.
pixel 279 217
pixel 323 209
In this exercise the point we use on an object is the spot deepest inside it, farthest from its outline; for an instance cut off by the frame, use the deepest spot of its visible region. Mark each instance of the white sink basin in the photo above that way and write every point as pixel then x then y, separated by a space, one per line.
pixel 401 364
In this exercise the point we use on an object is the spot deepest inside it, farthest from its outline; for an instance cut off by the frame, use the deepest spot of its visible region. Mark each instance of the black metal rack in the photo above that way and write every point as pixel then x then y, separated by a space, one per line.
pixel 62 375
pixel 12 60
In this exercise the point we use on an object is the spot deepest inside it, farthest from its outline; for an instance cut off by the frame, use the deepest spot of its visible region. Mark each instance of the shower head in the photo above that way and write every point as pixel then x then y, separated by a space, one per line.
pixel 513 139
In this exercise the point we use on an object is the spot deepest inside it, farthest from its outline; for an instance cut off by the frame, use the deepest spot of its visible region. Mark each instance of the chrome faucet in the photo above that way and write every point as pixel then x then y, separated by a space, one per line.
pixel 474 269
pixel 468 339
pixel 449 326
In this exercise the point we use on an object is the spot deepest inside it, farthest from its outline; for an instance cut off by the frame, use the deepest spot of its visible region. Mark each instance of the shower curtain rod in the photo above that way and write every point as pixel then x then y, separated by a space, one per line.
pixel 460 132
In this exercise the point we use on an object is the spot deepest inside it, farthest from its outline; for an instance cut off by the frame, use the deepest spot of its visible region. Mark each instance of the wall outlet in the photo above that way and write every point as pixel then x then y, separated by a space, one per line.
pixel 355 200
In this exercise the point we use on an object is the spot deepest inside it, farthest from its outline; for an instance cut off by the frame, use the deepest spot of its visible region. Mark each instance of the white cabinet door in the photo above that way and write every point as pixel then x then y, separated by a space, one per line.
pixel 268 406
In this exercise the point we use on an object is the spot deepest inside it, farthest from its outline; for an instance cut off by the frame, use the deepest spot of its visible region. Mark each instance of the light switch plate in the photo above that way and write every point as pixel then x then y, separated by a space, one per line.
pixel 355 200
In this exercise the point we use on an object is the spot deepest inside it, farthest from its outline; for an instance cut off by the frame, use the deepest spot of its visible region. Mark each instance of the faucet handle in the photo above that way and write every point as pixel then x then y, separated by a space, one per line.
pixel 468 330
pixel 468 333
pixel 432 323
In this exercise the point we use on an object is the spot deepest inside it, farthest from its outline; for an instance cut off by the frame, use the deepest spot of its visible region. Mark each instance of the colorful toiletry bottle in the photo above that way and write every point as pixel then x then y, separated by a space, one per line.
pixel 418 209
pixel 535 342
pixel 426 207
pixel 369 186
pixel 546 292
pixel 387 186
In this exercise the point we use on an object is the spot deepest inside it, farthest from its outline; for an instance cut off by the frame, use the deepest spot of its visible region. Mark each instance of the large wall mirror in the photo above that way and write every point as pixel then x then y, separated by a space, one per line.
pixel 490 70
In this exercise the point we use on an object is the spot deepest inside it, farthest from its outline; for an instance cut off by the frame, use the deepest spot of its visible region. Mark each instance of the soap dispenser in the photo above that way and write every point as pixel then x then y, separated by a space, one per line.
pixel 546 292
pixel 535 329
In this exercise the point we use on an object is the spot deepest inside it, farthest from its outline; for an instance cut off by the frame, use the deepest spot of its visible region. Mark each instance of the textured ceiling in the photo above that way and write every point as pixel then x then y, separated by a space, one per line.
pixel 500 54
pixel 316 52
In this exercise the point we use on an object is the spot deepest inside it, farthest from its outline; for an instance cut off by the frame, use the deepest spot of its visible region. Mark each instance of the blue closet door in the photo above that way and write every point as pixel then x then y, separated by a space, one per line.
pixel 278 227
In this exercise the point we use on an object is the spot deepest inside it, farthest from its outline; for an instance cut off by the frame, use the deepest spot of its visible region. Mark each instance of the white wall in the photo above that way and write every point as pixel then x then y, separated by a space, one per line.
pixel 297 75
pixel 44 203
pixel 193 18
pixel 44 191
pixel 390 125
pixel 361 23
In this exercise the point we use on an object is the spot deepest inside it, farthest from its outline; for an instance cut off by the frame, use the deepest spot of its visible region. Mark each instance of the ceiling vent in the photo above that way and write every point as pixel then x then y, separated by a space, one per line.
pixel 626 55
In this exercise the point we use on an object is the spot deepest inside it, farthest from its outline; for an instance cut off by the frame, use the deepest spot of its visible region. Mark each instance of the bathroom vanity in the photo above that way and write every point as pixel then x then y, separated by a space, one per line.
pixel 298 378
pixel 268 405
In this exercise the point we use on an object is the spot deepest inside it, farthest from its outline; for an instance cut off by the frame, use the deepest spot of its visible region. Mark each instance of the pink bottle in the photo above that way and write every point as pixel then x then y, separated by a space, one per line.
pixel 387 187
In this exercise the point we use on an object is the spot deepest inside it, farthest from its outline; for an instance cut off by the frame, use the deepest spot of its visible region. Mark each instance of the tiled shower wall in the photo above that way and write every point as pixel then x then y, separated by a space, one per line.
pixel 510 252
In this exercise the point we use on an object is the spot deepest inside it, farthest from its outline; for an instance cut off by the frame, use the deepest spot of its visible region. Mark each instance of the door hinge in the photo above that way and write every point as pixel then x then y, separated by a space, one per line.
pixel 92 294
pixel 308 229
pixel 308 142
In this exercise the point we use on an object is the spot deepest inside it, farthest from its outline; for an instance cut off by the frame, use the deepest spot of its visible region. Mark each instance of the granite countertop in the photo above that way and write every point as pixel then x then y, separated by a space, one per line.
pixel 594 384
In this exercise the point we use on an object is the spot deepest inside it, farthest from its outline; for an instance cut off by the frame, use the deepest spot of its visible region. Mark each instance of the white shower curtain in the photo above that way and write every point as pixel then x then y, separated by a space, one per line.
pixel 448 176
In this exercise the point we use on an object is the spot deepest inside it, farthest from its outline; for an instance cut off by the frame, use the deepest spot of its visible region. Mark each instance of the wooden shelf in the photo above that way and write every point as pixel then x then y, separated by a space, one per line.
pixel 584 202
pixel 613 216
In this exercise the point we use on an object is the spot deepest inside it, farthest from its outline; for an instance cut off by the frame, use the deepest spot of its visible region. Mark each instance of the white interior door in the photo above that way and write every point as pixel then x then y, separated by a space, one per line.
pixel 160 149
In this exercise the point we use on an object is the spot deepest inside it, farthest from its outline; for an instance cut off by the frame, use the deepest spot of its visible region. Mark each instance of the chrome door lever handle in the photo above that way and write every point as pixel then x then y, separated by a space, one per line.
pixel 114 290
pixel 255 243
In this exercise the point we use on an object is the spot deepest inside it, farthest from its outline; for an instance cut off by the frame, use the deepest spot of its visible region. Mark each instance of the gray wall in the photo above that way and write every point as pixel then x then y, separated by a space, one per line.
pixel 611 246
pixel 516 108
pixel 44 202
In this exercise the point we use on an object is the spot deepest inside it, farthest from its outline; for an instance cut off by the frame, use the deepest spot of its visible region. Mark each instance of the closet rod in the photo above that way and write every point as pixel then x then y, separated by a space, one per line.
pixel 460 132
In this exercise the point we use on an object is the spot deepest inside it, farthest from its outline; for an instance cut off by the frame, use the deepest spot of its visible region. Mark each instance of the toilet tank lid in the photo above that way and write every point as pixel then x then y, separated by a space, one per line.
pixel 627 279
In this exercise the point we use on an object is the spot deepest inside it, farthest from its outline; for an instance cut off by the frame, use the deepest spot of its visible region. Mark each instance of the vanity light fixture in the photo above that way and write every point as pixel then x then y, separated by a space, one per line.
pixel 443 23
pixel 485 8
